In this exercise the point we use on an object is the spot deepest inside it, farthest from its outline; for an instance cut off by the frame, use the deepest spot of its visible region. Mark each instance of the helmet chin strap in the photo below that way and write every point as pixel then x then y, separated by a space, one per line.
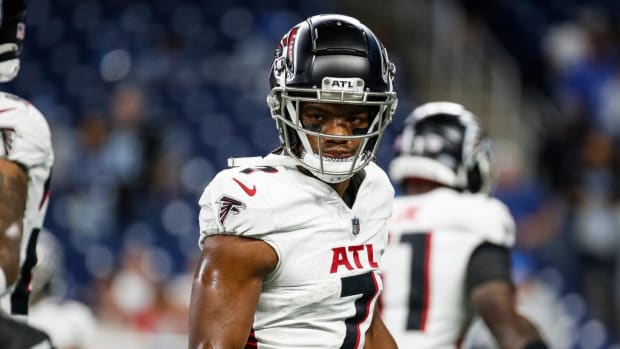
pixel 327 178
pixel 334 170
pixel 332 179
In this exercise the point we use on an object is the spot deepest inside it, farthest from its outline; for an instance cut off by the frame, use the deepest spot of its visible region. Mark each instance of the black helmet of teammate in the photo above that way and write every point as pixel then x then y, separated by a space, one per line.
pixel 443 142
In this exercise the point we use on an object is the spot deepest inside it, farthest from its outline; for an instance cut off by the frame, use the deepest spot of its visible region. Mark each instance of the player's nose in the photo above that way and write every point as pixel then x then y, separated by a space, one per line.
pixel 338 126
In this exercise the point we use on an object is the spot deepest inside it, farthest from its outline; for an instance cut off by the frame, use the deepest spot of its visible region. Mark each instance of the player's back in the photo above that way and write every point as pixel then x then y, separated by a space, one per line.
pixel 432 238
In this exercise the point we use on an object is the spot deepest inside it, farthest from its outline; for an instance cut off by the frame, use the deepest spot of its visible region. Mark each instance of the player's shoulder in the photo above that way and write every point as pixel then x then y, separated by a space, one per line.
pixel 255 170
pixel 237 199
pixel 485 215
pixel 376 173
pixel 251 180
pixel 479 203
pixel 378 179
pixel 21 112
pixel 476 214
pixel 376 192
pixel 25 133
pixel 9 100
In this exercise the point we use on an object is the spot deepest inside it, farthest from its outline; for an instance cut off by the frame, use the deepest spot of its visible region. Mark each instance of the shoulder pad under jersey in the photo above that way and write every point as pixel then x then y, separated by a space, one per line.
pixel 378 191
pixel 235 203
pixel 24 133
pixel 470 213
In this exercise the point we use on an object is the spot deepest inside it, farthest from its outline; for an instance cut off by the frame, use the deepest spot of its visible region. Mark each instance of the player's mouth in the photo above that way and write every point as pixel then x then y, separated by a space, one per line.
pixel 337 154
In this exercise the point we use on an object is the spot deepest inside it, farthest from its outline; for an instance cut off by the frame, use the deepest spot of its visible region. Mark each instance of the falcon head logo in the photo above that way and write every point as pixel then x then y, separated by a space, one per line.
pixel 7 134
pixel 229 205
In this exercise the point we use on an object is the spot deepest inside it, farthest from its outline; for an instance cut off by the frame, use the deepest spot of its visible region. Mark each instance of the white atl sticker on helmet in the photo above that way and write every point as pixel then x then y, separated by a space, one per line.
pixel 355 85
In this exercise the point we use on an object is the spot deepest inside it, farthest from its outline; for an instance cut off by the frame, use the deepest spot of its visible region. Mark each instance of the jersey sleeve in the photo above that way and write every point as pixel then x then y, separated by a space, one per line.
pixel 26 137
pixel 231 205
pixel 488 262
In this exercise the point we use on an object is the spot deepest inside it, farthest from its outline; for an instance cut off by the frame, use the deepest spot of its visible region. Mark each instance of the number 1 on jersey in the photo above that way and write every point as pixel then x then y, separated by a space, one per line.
pixel 419 275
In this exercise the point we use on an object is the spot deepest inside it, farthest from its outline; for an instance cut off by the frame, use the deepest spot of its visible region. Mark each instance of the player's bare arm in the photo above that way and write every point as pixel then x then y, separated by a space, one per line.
pixel 226 287
pixel 495 302
pixel 493 297
pixel 378 336
pixel 13 192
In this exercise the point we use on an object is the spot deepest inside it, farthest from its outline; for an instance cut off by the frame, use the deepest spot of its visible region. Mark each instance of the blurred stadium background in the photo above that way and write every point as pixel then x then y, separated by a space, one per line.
pixel 147 100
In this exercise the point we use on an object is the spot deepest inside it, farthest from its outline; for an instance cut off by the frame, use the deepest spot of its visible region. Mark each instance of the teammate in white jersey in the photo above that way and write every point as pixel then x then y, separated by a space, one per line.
pixel 449 252
pixel 292 243
pixel 26 159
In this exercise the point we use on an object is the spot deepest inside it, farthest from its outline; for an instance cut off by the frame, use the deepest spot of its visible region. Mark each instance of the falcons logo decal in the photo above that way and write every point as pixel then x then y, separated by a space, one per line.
pixel 7 134
pixel 229 205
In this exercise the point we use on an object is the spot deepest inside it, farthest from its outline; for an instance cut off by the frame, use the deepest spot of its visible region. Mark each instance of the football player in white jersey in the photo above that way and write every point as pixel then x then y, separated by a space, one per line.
pixel 292 243
pixel 26 159
pixel 449 253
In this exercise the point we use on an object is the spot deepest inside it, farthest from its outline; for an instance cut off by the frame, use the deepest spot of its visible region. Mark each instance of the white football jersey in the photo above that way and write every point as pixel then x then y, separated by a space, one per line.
pixel 323 290
pixel 432 237
pixel 25 139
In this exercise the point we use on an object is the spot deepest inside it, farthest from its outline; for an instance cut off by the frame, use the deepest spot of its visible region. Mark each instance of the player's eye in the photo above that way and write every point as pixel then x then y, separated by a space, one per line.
pixel 358 120
pixel 313 118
